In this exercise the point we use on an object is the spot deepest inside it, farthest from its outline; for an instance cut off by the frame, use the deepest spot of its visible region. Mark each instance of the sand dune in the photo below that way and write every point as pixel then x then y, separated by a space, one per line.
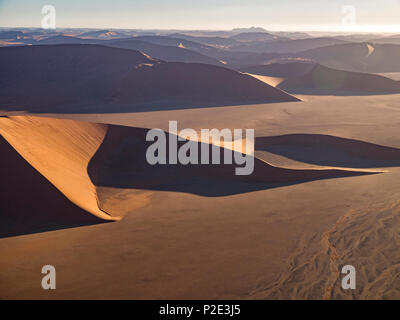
pixel 208 40
pixel 53 76
pixel 120 162
pixel 327 150
pixel 275 73
pixel 102 34
pixel 306 77
pixel 324 80
pixel 99 78
pixel 281 70
pixel 357 57
pixel 272 81
pixel 29 202
pixel 9 35
pixel 82 159
pixel 352 146
pixel 60 150
pixel 288 45
pixel 169 53
pixel 388 40
pixel 238 59
pixel 208 84
pixel 176 42
pixel 163 52
pixel 63 39
pixel 391 75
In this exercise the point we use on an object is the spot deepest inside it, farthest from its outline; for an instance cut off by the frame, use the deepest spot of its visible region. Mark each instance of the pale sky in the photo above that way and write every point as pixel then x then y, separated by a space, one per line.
pixel 325 15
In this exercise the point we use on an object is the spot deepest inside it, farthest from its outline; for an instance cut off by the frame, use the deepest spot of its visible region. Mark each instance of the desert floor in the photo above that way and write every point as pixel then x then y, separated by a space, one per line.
pixel 283 242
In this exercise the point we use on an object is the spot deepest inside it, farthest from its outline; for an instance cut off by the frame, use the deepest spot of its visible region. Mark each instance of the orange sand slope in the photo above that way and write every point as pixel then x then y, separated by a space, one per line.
pixel 30 203
pixel 81 159
pixel 121 162
pixel 60 150
pixel 272 81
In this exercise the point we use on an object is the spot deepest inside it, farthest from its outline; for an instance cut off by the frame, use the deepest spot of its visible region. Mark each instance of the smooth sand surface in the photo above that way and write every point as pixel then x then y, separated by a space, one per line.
pixel 328 81
pixel 283 242
pixel 60 150
pixel 368 118
pixel 272 81
pixel 315 79
pixel 30 203
pixel 391 75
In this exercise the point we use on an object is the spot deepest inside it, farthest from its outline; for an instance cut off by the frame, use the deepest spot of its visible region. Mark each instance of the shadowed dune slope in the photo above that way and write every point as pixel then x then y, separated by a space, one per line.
pixel 121 162
pixel 281 70
pixel 361 57
pixel 324 80
pixel 102 34
pixel 179 42
pixel 288 45
pixel 387 40
pixel 329 150
pixel 272 81
pixel 79 158
pixel 166 53
pixel 61 39
pixel 92 78
pixel 49 76
pixel 207 40
pixel 29 203
pixel 10 34
pixel 308 77
pixel 60 150
pixel 169 53
pixel 194 84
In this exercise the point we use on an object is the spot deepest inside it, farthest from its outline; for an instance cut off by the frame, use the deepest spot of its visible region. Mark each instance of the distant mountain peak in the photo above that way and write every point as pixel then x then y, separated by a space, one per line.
pixel 251 29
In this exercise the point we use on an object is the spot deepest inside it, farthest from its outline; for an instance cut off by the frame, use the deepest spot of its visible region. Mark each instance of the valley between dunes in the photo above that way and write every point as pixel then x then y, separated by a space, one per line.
pixel 222 239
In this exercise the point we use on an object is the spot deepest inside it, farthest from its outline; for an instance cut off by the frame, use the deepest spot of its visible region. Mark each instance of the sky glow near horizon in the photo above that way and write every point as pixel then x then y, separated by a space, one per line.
pixel 291 15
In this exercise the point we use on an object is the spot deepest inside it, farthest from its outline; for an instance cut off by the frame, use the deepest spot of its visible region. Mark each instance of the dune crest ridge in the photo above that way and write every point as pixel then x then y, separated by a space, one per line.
pixel 95 165
pixel 60 150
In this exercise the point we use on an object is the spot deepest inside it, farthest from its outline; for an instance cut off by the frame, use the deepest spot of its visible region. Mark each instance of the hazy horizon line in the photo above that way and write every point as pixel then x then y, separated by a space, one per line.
pixel 383 29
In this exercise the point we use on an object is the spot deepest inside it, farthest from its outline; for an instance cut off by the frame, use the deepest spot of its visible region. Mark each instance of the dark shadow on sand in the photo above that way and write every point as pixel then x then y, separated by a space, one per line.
pixel 326 150
pixel 29 203
pixel 121 162
pixel 135 108
pixel 335 93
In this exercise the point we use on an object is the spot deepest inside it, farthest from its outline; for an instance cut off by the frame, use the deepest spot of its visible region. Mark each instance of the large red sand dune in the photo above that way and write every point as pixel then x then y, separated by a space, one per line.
pixel 324 80
pixel 29 202
pixel 312 78
pixel 80 158
pixel 60 150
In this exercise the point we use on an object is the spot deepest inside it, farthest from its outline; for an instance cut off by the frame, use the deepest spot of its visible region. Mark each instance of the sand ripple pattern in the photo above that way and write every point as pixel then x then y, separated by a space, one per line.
pixel 367 239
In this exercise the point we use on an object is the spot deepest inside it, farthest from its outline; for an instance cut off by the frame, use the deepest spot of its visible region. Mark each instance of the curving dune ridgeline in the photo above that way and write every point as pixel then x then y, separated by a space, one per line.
pixel 91 163
pixel 60 150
